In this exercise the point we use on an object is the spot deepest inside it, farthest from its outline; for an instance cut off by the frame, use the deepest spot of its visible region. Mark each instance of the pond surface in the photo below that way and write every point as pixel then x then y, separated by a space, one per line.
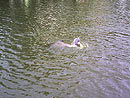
pixel 30 69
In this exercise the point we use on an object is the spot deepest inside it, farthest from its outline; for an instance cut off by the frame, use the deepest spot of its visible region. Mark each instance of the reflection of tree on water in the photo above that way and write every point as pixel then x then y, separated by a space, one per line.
pixel 22 2
pixel 25 5
pixel 54 18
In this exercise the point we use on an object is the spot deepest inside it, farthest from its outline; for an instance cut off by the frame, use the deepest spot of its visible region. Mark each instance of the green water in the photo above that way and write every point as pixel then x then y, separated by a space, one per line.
pixel 30 69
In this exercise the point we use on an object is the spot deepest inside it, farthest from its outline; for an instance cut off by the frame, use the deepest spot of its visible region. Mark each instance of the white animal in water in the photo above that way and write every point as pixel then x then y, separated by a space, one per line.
pixel 61 44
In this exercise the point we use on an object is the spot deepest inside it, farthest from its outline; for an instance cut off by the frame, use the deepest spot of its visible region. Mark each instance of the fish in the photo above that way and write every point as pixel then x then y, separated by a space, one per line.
pixel 61 44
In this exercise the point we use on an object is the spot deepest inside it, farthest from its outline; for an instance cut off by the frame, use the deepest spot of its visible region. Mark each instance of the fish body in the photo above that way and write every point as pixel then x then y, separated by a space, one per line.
pixel 61 44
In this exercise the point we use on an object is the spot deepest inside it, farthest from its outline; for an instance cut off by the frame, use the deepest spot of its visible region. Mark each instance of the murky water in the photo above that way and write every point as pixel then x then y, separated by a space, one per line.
pixel 30 69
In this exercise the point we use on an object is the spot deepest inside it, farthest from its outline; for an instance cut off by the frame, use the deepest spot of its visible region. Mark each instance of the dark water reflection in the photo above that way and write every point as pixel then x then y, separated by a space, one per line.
pixel 29 68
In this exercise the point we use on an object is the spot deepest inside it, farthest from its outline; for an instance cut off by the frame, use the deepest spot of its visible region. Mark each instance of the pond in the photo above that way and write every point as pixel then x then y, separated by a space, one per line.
pixel 29 68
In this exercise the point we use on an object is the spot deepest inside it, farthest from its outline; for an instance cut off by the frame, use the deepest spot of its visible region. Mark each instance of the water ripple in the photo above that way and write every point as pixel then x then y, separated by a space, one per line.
pixel 29 68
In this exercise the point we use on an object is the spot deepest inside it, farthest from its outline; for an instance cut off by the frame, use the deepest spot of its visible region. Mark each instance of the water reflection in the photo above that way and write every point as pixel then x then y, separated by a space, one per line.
pixel 28 68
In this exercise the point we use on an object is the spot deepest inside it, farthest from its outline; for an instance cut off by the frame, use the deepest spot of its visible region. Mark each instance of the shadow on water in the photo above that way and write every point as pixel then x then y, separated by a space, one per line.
pixel 29 68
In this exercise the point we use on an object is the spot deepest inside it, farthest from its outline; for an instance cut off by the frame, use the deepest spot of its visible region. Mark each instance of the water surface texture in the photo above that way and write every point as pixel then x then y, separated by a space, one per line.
pixel 29 68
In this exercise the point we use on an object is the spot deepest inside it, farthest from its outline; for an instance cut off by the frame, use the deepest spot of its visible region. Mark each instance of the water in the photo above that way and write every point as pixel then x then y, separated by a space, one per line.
pixel 30 69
